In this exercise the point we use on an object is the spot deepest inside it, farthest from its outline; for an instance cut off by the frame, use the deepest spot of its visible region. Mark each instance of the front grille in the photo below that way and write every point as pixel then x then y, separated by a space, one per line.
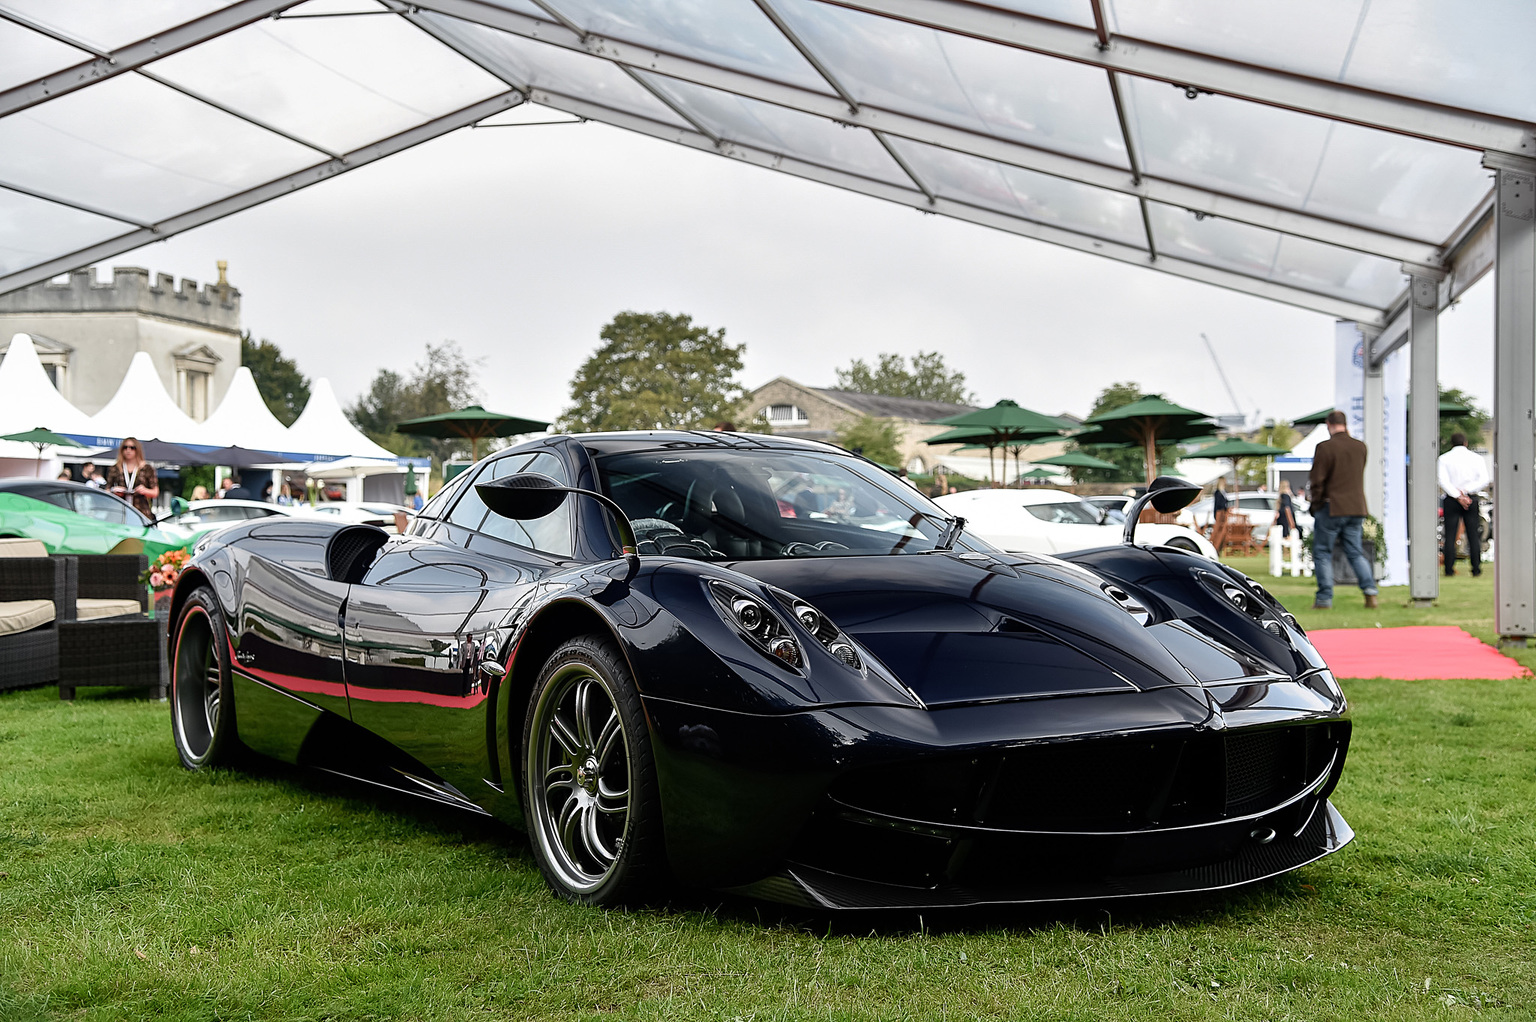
pixel 1101 784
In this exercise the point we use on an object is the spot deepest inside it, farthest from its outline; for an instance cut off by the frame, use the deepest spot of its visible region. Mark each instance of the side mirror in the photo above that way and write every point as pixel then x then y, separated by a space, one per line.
pixel 530 495
pixel 179 506
pixel 1166 494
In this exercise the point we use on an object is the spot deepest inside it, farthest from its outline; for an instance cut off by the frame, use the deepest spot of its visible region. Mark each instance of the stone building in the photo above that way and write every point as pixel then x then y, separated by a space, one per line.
pixel 86 333
pixel 815 413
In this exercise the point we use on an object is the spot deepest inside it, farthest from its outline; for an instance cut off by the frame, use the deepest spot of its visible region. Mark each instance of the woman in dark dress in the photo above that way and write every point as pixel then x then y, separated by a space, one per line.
pixel 132 478
pixel 1285 512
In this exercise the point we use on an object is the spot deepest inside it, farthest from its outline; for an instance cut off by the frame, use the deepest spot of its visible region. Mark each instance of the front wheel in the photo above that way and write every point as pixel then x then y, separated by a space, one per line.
pixel 589 782
pixel 202 710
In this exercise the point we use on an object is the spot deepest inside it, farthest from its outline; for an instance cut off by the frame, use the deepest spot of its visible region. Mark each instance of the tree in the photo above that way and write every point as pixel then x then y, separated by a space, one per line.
pixel 929 378
pixel 1129 460
pixel 656 370
pixel 443 381
pixel 1471 424
pixel 876 439
pixel 1255 471
pixel 284 389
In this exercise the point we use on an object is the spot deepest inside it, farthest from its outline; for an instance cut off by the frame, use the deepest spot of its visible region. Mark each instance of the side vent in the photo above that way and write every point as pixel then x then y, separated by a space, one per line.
pixel 351 550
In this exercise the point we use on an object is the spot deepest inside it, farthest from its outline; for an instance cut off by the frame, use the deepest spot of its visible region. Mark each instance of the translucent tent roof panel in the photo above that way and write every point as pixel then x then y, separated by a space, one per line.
pixel 558 70
pixel 732 33
pixel 1471 55
pixel 34 230
pixel 27 55
pixel 129 145
pixel 1031 142
pixel 1360 175
pixel 1070 12
pixel 980 86
pixel 109 24
pixel 1037 197
pixel 1269 255
pixel 784 132
pixel 338 82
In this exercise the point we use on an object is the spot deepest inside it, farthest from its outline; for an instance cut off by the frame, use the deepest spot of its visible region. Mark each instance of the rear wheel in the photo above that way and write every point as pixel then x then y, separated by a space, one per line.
pixel 202 709
pixel 1184 543
pixel 589 782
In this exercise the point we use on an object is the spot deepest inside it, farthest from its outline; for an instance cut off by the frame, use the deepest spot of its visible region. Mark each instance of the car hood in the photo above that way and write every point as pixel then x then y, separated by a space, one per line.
pixel 970 627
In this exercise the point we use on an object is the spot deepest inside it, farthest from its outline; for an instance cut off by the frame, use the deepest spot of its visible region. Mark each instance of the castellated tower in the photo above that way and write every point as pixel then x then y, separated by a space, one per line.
pixel 86 333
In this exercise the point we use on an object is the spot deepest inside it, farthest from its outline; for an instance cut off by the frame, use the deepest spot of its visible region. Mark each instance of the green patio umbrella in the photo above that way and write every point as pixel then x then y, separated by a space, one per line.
pixel 410 480
pixel 1236 449
pixel 473 424
pixel 1448 410
pixel 1076 459
pixel 1146 423
pixel 1039 473
pixel 1002 425
pixel 40 438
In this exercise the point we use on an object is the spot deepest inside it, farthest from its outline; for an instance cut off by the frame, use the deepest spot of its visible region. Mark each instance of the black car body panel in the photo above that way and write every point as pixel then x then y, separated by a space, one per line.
pixel 1008 729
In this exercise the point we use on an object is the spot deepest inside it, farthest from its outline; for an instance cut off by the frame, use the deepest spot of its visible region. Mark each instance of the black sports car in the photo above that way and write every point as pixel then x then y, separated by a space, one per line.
pixel 766 665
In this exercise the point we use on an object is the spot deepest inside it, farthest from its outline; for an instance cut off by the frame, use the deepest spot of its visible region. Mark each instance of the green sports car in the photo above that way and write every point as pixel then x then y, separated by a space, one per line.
pixel 71 518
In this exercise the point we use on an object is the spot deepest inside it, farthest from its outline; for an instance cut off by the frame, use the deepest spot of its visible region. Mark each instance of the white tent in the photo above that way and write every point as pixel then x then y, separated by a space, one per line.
pixel 323 428
pixel 243 419
pixel 28 398
pixel 141 408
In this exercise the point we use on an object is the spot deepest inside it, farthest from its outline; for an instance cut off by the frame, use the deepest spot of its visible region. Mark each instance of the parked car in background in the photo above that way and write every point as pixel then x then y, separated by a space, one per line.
pixel 202 515
pixel 1258 506
pixel 1046 521
pixel 72 518
pixel 366 512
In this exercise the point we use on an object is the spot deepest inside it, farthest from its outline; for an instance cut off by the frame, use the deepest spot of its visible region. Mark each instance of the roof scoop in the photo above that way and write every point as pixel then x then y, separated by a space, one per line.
pixel 1166 494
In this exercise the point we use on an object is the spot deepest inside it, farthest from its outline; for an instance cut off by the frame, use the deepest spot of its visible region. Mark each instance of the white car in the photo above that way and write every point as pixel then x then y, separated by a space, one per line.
pixel 201 515
pixel 1046 521
pixel 368 512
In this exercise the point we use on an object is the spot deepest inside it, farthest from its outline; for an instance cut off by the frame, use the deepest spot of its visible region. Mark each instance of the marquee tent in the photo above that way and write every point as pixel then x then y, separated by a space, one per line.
pixel 28 397
pixel 323 427
pixel 243 418
pixel 1331 156
pixel 142 408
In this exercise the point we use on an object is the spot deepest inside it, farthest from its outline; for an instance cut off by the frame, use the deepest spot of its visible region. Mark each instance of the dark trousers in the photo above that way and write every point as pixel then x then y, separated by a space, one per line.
pixel 1455 515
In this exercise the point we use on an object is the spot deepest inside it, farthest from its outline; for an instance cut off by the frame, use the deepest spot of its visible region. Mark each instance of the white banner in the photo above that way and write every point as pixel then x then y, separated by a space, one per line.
pixel 1349 374
pixel 1394 466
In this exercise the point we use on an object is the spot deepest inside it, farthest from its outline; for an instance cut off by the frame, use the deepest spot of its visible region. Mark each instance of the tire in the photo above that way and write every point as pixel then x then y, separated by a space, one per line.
pixel 202 704
pixel 589 780
pixel 1184 543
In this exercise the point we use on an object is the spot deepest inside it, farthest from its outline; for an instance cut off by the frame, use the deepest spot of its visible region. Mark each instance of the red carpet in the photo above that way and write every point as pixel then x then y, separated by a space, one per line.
pixel 1417 653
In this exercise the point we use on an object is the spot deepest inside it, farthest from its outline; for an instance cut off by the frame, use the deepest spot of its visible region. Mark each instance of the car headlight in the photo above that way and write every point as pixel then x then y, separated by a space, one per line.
pixel 1254 600
pixel 759 625
pixel 822 628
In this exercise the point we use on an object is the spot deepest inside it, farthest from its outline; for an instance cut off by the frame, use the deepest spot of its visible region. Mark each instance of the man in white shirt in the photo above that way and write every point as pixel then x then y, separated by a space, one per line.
pixel 1462 474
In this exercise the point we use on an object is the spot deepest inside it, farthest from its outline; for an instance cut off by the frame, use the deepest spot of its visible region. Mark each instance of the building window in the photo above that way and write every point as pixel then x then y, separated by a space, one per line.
pixel 787 415
pixel 193 393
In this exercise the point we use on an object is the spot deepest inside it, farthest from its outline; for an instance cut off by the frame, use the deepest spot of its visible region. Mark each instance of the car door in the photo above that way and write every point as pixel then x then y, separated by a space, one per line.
pixel 430 611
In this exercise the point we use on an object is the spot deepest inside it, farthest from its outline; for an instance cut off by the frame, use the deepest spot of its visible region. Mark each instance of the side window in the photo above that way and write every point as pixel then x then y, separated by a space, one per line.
pixel 550 534
pixel 99 505
pixel 435 506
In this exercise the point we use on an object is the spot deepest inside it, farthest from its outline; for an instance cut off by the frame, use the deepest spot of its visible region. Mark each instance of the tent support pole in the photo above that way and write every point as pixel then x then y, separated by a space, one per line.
pixel 1514 397
pixel 1423 436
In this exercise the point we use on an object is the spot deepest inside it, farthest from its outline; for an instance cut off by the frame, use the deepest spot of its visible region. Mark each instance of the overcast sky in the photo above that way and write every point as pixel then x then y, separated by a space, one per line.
pixel 520 243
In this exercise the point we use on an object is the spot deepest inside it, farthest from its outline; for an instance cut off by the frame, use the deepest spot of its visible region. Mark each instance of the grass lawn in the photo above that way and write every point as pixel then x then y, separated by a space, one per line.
pixel 131 889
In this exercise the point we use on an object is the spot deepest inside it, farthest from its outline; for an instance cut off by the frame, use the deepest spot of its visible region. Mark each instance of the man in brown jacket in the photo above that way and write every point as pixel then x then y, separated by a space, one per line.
pixel 1338 510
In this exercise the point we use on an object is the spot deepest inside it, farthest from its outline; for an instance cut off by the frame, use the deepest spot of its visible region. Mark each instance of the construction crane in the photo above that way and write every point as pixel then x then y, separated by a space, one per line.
pixel 1237 405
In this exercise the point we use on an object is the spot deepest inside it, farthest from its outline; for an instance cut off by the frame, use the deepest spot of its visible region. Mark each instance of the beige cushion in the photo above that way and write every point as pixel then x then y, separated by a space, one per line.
pixel 24 615
pixel 89 610
pixel 22 548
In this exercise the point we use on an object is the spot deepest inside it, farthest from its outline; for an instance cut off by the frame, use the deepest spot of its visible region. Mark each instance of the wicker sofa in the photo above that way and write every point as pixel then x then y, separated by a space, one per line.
pixel 34 590
pixel 91 626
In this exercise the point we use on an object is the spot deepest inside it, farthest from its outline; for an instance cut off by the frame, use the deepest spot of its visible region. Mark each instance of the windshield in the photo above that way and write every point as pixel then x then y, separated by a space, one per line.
pixel 717 505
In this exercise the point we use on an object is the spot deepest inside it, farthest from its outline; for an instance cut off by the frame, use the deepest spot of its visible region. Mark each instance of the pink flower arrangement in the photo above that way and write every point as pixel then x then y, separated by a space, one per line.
pixel 166 570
